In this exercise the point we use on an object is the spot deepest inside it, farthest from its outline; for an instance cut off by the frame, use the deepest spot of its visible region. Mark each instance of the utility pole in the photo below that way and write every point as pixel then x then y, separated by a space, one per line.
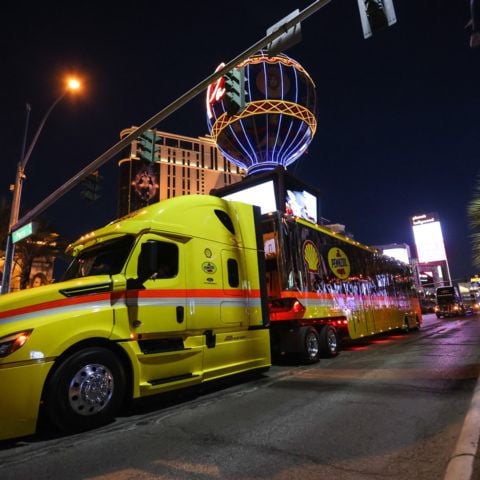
pixel 17 192
pixel 72 84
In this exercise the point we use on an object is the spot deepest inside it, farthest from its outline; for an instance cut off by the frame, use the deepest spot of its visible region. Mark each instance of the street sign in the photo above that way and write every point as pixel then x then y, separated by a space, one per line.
pixel 23 232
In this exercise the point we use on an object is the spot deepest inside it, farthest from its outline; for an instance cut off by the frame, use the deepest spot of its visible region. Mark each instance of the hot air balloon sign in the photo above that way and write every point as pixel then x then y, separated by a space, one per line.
pixel 278 121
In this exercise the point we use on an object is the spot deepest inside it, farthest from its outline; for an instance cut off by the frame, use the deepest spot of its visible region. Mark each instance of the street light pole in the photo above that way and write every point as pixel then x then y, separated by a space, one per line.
pixel 20 177
pixel 14 212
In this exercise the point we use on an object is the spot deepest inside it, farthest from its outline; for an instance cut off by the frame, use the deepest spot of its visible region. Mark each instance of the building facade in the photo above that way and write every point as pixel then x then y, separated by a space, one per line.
pixel 177 165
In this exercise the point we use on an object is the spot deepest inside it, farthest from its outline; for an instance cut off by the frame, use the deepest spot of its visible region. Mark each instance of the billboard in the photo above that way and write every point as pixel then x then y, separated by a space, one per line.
pixel 427 232
pixel 139 185
pixel 276 190
pixel 400 252
pixel 262 195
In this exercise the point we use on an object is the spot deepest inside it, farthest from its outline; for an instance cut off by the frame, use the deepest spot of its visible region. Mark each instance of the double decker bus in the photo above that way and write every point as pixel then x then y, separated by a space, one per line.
pixel 449 302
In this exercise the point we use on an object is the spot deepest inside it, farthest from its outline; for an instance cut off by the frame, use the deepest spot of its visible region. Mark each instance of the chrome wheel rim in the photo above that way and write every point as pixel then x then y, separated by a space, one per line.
pixel 312 345
pixel 332 341
pixel 91 389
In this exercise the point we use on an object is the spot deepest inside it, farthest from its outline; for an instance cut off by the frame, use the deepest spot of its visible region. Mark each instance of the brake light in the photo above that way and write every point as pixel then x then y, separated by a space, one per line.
pixel 298 307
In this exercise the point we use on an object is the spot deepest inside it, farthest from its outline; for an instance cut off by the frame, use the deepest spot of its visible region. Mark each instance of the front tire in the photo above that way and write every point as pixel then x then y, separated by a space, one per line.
pixel 86 390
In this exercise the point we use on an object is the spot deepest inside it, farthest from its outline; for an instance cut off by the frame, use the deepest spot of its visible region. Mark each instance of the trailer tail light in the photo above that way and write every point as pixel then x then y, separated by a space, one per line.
pixel 286 308
pixel 298 307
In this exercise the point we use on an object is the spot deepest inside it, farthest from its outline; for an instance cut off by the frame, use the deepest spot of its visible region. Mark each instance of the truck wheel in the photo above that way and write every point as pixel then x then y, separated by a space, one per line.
pixel 311 345
pixel 86 390
pixel 329 342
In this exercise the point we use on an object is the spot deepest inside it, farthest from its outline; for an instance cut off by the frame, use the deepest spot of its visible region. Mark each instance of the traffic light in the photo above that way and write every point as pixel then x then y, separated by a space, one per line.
pixel 146 146
pixel 376 15
pixel 235 91
pixel 91 187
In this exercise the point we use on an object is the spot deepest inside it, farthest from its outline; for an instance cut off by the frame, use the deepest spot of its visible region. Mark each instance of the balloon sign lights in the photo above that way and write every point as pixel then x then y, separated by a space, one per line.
pixel 278 121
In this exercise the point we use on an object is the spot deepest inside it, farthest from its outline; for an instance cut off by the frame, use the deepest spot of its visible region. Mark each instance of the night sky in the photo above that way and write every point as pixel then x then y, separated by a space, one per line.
pixel 398 114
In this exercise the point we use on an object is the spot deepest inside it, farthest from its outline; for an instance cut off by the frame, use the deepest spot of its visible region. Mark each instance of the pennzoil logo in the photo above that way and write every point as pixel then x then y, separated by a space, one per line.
pixel 339 263
pixel 209 267
pixel 311 256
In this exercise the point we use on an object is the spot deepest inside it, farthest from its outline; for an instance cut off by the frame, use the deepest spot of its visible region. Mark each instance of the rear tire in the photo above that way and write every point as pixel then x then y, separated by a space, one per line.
pixel 86 390
pixel 329 342
pixel 310 342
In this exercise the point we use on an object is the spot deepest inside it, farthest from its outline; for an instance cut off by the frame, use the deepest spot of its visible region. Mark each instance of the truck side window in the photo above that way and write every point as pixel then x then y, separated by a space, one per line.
pixel 233 277
pixel 226 220
pixel 166 255
pixel 167 260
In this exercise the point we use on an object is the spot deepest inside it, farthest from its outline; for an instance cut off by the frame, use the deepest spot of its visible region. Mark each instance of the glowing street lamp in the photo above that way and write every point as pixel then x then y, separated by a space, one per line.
pixel 72 84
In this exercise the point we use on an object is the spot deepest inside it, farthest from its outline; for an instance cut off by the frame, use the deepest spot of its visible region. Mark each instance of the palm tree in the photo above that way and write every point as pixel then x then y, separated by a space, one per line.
pixel 474 216
pixel 44 244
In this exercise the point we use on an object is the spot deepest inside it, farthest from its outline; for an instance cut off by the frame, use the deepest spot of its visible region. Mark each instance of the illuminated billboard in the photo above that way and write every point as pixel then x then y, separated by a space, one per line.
pixel 262 195
pixel 397 251
pixel 427 233
pixel 276 190
pixel 301 204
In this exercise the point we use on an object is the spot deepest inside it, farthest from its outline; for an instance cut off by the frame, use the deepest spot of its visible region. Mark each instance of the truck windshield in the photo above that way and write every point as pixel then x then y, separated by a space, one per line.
pixel 106 258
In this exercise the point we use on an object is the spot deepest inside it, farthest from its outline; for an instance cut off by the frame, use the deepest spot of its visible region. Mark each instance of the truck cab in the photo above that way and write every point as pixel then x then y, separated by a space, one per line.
pixel 167 297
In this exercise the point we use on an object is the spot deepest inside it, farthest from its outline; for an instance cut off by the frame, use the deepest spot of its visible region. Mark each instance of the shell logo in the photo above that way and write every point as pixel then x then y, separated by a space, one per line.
pixel 339 263
pixel 311 256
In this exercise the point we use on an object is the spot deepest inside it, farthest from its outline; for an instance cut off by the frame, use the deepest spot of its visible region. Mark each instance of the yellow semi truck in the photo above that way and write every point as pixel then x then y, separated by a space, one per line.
pixel 184 291
pixel 170 296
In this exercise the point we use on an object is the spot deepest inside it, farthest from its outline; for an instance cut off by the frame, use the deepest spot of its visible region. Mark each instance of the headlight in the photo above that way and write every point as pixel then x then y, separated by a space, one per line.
pixel 13 342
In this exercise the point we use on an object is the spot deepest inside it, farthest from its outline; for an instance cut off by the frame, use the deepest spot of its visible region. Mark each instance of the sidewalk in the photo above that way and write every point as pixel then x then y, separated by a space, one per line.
pixel 464 463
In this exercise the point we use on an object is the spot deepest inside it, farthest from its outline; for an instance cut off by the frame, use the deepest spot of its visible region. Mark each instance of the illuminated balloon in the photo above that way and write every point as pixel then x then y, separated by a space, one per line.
pixel 278 122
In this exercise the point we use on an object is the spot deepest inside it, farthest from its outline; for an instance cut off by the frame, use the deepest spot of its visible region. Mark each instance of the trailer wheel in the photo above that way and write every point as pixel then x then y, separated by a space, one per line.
pixel 310 344
pixel 329 341
pixel 86 390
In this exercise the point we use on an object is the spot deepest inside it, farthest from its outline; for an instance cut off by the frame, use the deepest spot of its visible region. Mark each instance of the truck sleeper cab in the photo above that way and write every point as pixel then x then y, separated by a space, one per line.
pixel 167 297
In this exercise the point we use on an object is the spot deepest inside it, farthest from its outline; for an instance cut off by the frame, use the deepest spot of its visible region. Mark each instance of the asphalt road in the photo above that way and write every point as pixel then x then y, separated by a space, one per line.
pixel 387 408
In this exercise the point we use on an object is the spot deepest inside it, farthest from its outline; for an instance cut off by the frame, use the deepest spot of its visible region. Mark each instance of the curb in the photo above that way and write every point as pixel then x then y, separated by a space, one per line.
pixel 460 463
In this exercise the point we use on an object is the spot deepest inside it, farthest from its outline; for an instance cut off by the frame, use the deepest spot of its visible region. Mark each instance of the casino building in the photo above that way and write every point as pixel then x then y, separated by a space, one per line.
pixel 181 166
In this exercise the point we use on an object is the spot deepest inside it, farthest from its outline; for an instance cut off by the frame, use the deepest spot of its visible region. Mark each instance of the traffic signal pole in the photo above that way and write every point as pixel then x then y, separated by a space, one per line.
pixel 167 111
pixel 14 211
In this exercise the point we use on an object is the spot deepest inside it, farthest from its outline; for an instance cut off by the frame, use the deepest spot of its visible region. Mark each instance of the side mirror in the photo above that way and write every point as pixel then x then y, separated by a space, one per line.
pixel 148 261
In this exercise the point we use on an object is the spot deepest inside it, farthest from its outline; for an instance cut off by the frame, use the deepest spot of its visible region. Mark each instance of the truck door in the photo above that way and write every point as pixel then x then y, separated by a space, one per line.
pixel 157 306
